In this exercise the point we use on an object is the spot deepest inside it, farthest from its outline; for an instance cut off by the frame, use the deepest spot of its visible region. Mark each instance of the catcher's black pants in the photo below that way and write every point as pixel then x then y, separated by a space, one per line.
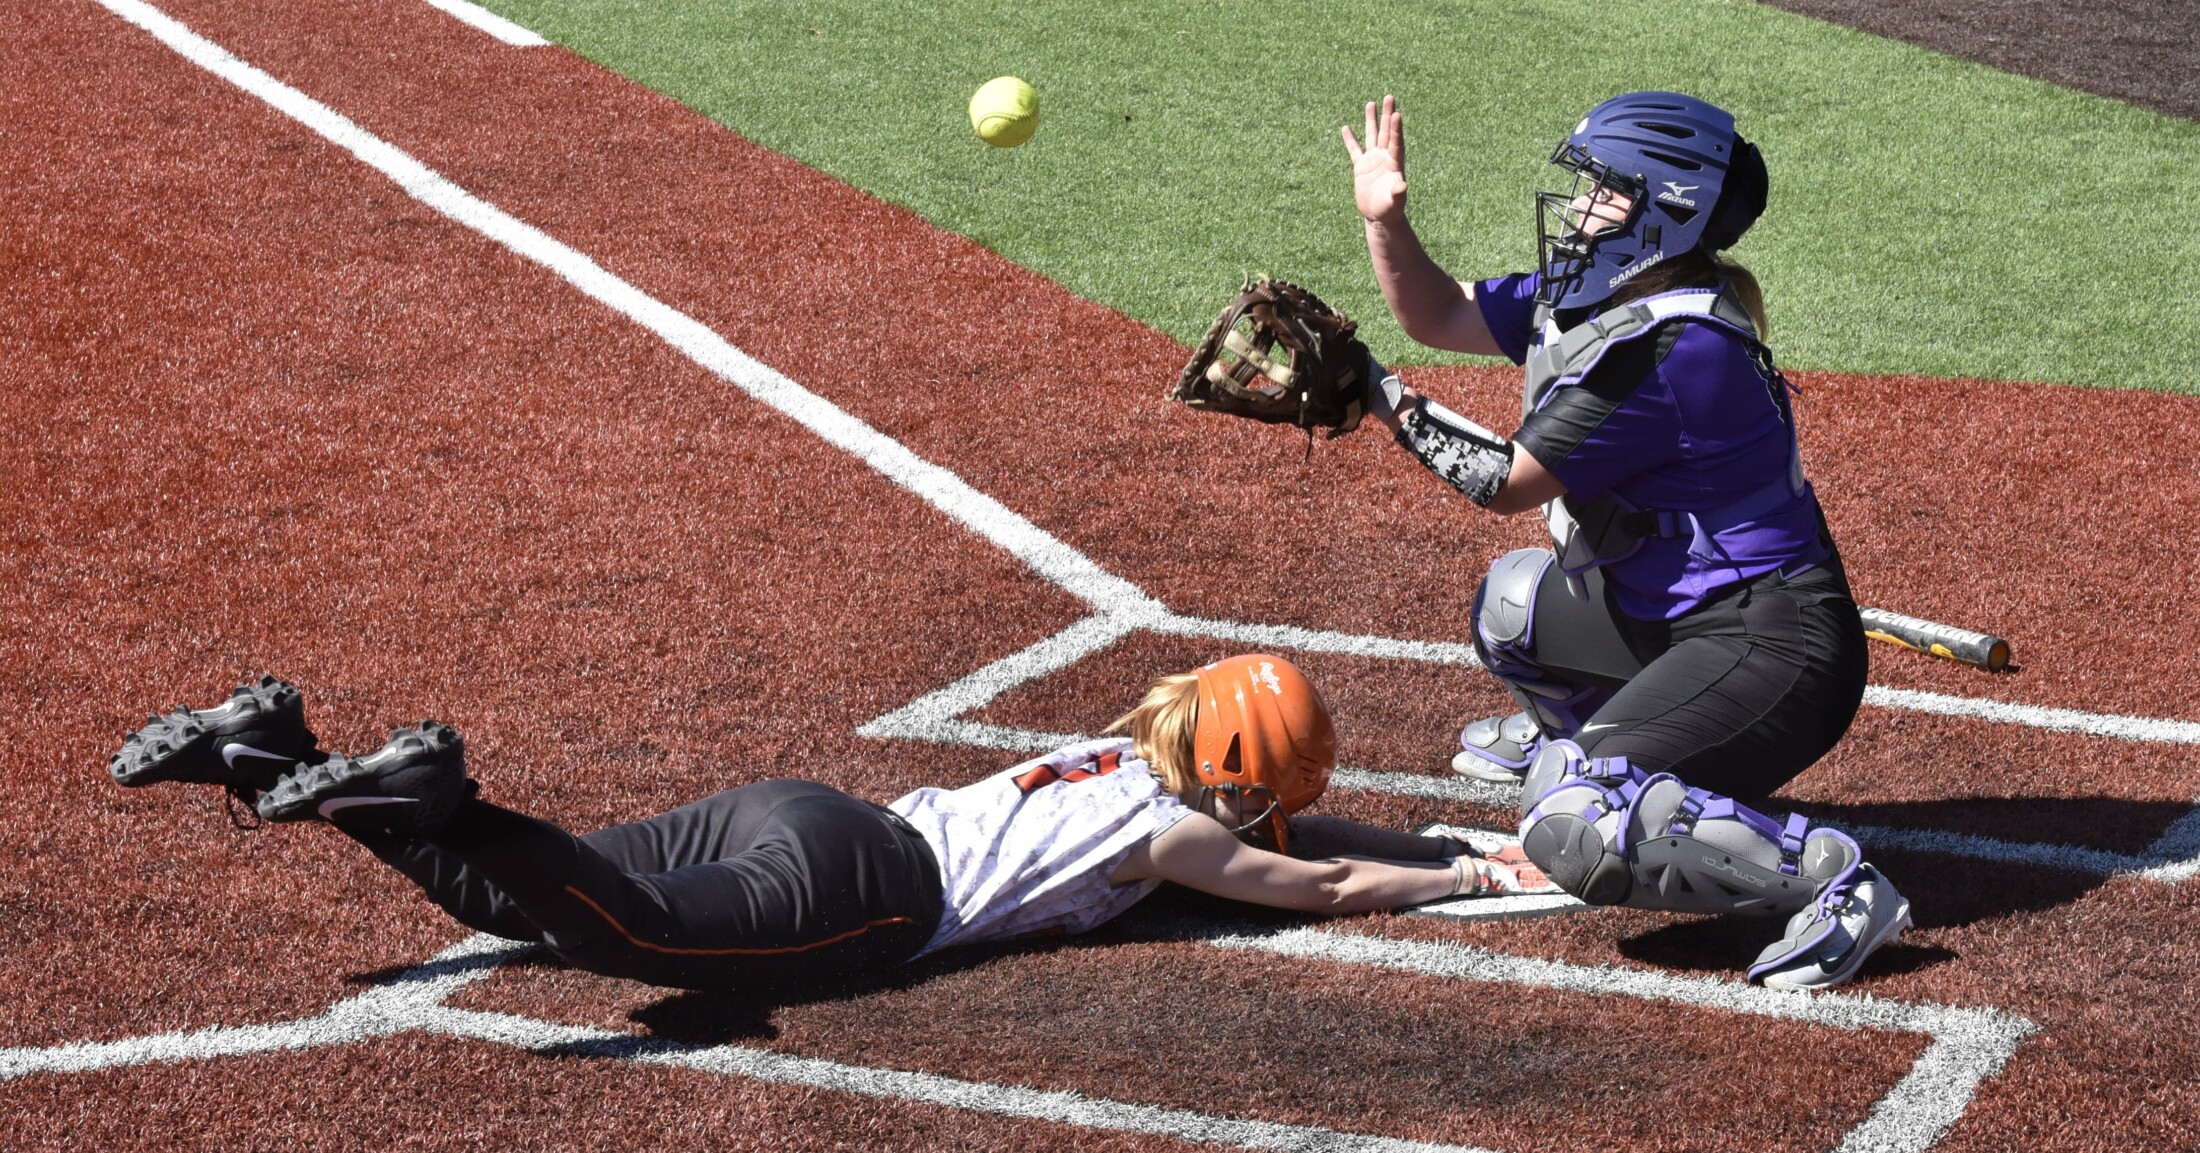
pixel 1736 697
pixel 767 884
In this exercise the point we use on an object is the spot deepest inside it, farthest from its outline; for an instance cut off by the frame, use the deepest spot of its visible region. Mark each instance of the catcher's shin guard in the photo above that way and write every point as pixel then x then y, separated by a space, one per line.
pixel 1613 834
pixel 1505 637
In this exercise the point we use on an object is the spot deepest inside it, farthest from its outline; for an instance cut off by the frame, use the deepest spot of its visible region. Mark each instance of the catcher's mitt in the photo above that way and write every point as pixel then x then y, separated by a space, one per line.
pixel 1278 355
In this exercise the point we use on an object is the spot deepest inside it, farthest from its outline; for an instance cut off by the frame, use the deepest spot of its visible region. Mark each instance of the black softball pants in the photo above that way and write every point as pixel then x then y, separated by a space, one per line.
pixel 769 884
pixel 1737 697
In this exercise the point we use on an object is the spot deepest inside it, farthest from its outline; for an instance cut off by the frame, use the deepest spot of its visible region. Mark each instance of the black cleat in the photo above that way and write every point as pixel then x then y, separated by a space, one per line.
pixel 242 744
pixel 411 785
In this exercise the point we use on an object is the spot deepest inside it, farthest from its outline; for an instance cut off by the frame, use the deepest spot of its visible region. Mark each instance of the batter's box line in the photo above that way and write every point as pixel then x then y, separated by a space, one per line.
pixel 942 717
pixel 1968 1045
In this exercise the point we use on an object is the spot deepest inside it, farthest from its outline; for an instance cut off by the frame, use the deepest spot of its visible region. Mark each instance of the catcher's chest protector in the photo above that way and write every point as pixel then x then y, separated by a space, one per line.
pixel 1590 534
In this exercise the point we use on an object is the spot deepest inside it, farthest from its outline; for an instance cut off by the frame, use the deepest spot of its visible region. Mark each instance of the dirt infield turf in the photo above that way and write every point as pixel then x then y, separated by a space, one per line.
pixel 2141 52
pixel 269 411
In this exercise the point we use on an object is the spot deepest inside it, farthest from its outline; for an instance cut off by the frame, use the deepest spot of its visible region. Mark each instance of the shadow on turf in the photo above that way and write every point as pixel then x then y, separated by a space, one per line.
pixel 686 1020
pixel 1944 891
pixel 1712 945
pixel 692 1019
pixel 2105 823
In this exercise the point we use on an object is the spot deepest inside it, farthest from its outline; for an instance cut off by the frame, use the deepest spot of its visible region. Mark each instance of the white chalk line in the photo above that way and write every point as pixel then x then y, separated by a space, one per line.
pixel 1318 641
pixel 938 711
pixel 2151 730
pixel 491 23
pixel 1968 1044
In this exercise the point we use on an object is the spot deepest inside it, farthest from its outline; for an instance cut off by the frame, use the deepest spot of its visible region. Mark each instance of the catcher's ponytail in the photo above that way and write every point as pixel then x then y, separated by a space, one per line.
pixel 1700 268
pixel 1743 282
pixel 1161 726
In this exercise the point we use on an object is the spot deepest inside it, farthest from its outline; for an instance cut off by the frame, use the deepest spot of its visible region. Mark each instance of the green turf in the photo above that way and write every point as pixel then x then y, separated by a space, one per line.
pixel 1928 215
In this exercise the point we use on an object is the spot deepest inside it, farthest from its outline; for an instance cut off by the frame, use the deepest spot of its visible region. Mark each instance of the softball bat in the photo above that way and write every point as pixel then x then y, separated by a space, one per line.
pixel 1980 649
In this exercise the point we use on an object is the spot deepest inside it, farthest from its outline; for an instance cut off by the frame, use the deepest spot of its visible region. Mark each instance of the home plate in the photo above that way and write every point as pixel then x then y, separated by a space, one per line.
pixel 1489 842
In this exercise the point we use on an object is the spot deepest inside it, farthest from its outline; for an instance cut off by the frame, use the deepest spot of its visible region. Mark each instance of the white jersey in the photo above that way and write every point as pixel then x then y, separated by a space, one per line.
pixel 1029 849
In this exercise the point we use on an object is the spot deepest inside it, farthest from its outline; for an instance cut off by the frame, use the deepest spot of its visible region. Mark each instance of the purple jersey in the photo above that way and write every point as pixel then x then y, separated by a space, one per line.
pixel 1685 419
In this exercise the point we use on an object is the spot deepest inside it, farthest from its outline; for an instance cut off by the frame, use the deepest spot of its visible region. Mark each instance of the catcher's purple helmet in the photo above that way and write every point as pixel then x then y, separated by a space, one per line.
pixel 1693 180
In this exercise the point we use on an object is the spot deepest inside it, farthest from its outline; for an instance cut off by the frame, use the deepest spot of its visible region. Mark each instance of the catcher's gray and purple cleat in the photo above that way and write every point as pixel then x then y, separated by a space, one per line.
pixel 1826 942
pixel 1498 748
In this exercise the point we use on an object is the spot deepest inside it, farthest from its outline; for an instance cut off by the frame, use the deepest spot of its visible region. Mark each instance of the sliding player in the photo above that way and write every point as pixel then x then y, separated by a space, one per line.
pixel 788 881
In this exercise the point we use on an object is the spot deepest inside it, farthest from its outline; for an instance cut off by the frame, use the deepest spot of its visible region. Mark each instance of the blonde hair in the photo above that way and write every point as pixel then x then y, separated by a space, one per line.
pixel 1161 726
pixel 1697 268
pixel 1746 290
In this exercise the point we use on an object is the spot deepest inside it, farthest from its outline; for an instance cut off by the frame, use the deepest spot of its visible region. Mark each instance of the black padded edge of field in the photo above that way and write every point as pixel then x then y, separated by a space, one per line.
pixel 2142 52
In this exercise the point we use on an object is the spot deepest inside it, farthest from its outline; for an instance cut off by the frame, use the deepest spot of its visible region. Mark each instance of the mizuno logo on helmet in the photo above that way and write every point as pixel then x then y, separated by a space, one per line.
pixel 1674 191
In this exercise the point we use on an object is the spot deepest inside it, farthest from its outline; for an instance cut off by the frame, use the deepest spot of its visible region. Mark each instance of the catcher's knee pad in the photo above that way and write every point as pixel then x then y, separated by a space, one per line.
pixel 1570 826
pixel 1504 636
pixel 1613 834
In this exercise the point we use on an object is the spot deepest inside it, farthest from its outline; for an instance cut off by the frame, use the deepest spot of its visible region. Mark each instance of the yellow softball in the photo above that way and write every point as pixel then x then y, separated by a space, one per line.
pixel 1005 112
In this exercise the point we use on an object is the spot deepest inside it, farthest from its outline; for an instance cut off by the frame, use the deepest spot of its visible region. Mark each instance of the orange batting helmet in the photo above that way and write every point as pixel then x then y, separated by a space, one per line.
pixel 1264 740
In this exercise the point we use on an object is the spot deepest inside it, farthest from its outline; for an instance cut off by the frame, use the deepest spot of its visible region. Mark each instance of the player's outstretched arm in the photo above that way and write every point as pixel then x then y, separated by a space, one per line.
pixel 1198 853
pixel 1315 835
pixel 1432 307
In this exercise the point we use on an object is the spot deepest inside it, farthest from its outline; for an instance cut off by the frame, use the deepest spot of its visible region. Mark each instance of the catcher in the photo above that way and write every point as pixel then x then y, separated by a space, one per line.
pixel 1689 636
pixel 783 882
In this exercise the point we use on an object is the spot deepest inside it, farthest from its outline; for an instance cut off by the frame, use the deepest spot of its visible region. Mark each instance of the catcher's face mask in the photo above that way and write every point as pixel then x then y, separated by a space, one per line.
pixel 1252 813
pixel 1592 203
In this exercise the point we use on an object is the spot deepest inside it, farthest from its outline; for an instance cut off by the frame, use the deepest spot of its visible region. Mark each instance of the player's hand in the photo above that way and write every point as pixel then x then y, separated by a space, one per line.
pixel 1531 877
pixel 1500 868
pixel 1379 168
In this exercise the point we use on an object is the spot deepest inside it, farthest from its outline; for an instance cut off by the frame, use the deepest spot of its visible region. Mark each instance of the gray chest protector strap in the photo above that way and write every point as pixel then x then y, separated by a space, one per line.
pixel 1588 534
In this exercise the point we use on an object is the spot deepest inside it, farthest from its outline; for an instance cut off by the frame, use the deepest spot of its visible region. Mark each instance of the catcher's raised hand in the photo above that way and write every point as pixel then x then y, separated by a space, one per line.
pixel 1379 169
